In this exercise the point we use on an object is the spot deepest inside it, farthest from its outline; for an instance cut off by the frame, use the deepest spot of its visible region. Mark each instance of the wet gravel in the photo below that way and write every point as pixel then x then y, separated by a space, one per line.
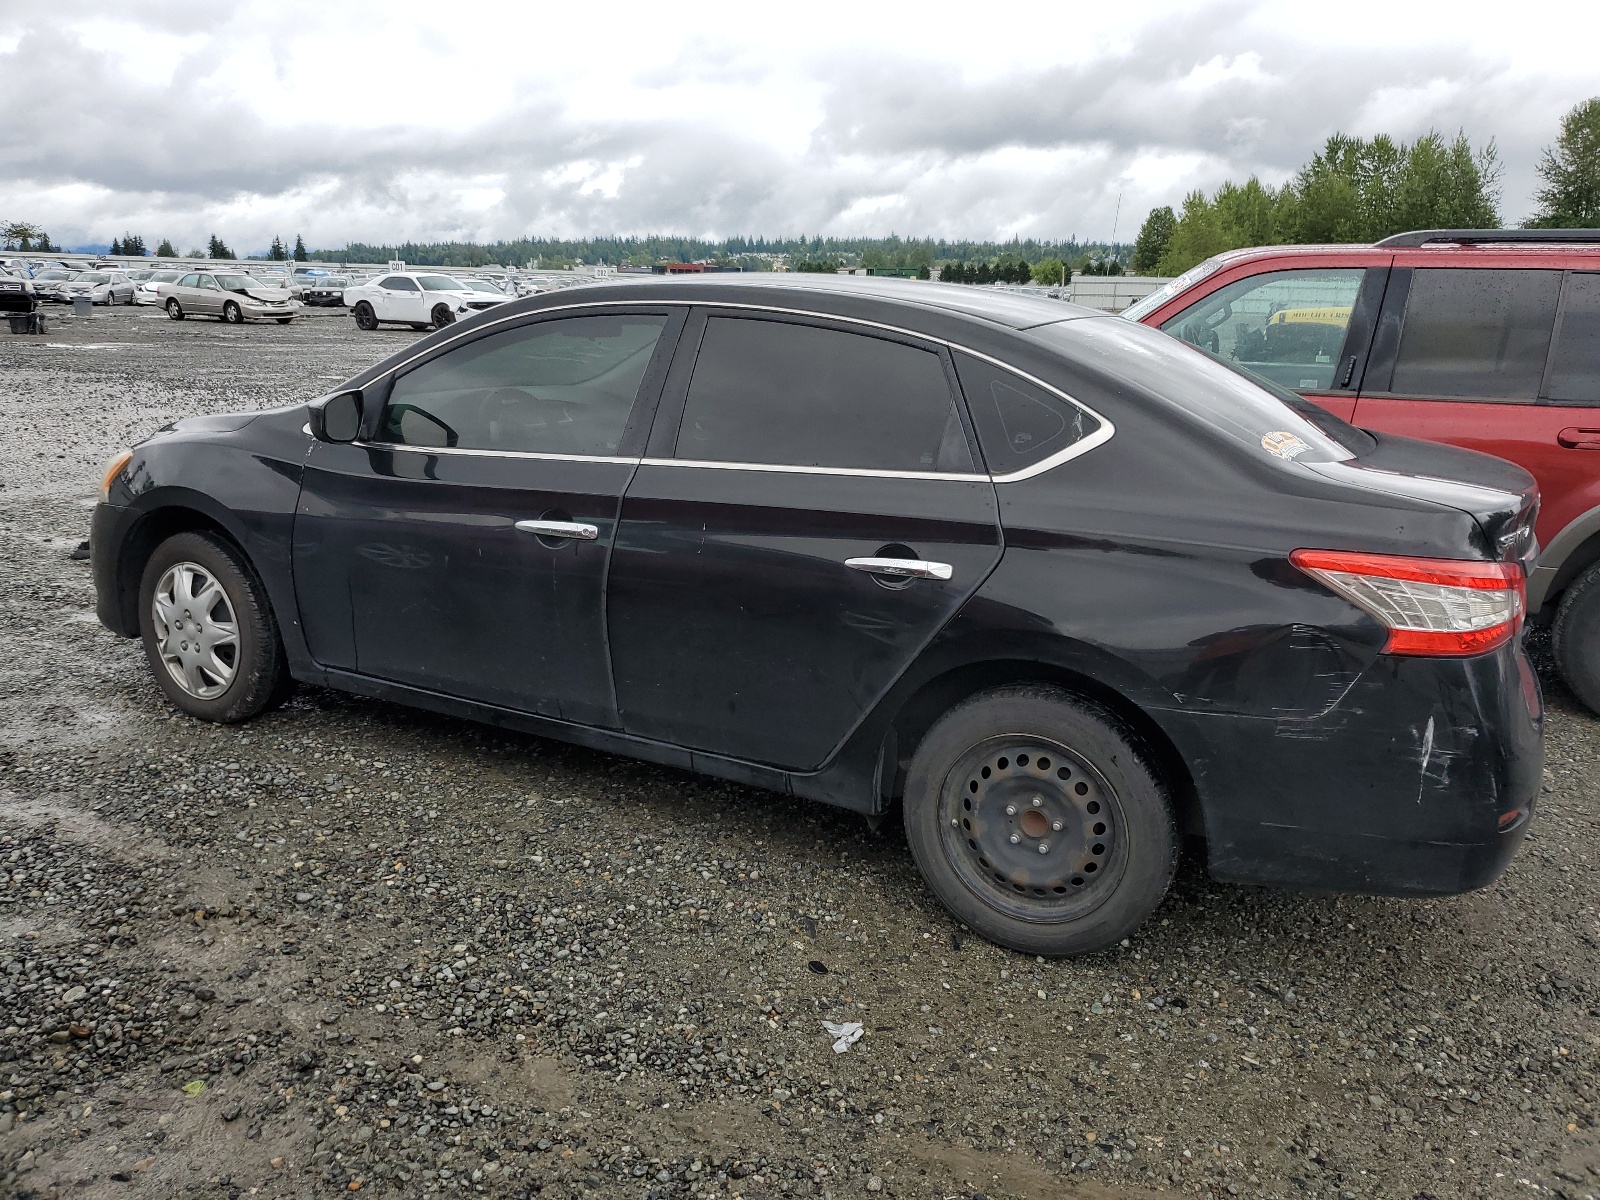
pixel 355 948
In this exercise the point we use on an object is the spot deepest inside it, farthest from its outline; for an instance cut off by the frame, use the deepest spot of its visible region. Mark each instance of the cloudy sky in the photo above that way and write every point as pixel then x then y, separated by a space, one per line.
pixel 383 122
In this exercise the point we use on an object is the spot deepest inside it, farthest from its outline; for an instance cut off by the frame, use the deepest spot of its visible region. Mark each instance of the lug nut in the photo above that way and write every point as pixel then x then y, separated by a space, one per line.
pixel 1015 839
pixel 1037 802
pixel 1011 810
pixel 1056 827
pixel 1044 847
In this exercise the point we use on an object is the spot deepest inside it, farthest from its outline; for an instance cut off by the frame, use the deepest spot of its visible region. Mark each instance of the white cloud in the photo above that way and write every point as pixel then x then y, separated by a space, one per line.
pixel 403 120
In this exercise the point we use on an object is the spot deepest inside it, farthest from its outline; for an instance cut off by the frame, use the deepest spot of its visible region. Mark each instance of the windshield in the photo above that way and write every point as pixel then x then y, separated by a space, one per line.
pixel 54 275
pixel 480 285
pixel 439 283
pixel 165 276
pixel 1263 418
pixel 92 277
pixel 1138 312
pixel 239 283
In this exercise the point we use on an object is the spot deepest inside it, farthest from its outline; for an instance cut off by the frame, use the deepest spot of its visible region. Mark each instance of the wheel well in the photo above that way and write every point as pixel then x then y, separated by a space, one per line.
pixel 938 696
pixel 141 542
pixel 1583 556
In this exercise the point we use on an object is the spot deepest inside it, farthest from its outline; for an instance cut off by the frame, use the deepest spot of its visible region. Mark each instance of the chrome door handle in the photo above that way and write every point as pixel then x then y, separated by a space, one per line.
pixel 560 529
pixel 908 568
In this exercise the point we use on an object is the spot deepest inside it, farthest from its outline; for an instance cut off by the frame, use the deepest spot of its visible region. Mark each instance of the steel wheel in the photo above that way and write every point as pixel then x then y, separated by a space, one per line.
pixel 174 309
pixel 197 632
pixel 1033 828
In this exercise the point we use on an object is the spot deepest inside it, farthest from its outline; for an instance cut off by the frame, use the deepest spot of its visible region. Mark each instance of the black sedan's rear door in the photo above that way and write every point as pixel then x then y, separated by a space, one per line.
pixel 810 516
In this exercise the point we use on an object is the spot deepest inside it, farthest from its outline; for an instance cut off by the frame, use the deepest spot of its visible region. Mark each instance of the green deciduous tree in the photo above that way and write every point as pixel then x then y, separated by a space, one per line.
pixel 1353 190
pixel 217 248
pixel 1051 272
pixel 1569 196
pixel 24 235
pixel 1152 241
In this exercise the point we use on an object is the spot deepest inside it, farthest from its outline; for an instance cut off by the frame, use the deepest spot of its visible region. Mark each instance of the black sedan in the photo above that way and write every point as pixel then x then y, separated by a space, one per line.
pixel 324 291
pixel 1066 589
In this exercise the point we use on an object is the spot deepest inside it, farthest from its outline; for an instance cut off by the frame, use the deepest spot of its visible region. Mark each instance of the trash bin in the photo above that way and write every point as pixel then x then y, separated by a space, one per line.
pixel 82 306
pixel 26 322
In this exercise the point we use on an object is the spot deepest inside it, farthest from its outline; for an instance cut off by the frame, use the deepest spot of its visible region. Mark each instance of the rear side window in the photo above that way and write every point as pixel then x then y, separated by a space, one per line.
pixel 1575 359
pixel 557 387
pixel 797 395
pixel 1286 326
pixel 1476 333
pixel 1019 423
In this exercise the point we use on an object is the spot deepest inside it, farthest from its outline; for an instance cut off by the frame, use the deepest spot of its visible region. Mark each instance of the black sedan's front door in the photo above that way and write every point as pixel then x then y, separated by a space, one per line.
pixel 462 546
pixel 813 521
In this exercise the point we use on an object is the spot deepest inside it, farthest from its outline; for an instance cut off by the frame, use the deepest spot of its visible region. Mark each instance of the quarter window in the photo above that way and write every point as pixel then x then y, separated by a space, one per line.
pixel 1476 333
pixel 1019 423
pixel 1287 326
pixel 800 395
pixel 1575 360
pixel 557 387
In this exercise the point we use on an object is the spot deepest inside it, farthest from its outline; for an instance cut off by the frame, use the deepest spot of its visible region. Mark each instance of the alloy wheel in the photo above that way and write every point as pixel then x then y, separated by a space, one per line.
pixel 196 630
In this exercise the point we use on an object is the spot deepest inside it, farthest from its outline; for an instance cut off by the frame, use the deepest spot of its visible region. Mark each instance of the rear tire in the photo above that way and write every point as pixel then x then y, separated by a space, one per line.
pixel 175 310
pixel 1575 638
pixel 1037 820
pixel 208 631
pixel 366 318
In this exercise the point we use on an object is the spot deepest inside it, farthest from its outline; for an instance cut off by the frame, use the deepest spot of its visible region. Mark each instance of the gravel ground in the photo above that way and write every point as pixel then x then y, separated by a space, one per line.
pixel 352 947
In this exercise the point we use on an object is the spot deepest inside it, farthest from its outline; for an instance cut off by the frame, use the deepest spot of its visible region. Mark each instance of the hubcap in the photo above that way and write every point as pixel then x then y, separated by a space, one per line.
pixel 197 635
pixel 1032 828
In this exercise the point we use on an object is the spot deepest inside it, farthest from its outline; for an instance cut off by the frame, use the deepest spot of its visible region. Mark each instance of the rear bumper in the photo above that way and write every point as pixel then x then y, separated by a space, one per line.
pixel 1420 781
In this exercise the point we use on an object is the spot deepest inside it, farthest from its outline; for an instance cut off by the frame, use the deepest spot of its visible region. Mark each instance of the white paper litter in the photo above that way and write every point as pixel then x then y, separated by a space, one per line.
pixel 848 1034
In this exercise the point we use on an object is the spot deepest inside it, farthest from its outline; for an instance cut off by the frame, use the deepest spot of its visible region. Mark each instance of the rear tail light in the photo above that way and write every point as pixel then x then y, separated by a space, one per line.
pixel 1431 606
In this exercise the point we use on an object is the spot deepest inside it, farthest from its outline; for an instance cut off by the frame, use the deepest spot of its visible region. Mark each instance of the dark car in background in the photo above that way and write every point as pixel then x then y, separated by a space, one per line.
pixel 1486 339
pixel 324 291
pixel 1062 586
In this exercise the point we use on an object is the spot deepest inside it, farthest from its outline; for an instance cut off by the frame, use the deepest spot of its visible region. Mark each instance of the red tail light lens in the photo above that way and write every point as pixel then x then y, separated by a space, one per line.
pixel 1431 606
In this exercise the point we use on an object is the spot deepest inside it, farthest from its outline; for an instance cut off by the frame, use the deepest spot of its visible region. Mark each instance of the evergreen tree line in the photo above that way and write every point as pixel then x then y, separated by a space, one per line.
pixel 1012 271
pixel 1365 189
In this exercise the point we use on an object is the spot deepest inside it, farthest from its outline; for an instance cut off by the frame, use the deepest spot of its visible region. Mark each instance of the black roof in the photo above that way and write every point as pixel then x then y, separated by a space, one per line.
pixel 1014 310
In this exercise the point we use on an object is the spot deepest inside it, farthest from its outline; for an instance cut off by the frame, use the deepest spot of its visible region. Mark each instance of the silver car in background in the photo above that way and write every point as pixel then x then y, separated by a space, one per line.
pixel 230 296
pixel 102 287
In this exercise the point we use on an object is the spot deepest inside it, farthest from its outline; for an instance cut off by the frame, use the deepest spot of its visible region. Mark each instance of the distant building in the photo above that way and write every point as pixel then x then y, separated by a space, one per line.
pixel 697 268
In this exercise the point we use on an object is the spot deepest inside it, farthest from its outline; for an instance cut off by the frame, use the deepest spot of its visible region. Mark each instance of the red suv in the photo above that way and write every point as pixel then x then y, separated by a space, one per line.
pixel 1487 339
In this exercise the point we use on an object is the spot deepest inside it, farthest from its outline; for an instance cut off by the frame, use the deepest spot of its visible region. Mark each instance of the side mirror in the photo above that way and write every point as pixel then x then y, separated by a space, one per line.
pixel 337 419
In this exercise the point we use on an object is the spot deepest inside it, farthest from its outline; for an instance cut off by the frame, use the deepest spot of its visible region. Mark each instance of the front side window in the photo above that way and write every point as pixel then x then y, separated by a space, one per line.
pixel 770 392
pixel 1575 359
pixel 557 387
pixel 1476 333
pixel 207 282
pixel 1287 326
pixel 398 283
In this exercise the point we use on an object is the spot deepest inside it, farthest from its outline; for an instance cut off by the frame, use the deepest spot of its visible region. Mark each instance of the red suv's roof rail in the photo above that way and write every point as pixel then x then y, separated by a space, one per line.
pixel 1463 237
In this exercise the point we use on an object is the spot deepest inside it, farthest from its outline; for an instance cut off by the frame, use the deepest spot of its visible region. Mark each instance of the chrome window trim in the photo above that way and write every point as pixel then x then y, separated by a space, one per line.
pixel 465 452
pixel 1099 437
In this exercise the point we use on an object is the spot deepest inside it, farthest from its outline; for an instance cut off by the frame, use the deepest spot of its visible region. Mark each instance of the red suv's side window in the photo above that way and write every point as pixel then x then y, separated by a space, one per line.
pixel 1476 334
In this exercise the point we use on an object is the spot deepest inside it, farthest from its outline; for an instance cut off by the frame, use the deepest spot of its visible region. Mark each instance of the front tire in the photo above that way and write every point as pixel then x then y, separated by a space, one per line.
pixel 284 320
pixel 1575 637
pixel 208 631
pixel 232 314
pixel 175 310
pixel 1037 820
pixel 442 316
pixel 365 317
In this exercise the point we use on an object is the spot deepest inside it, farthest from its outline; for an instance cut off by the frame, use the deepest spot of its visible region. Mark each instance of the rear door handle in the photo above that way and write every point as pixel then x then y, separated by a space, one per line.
pixel 906 568
pixel 560 529
pixel 1574 438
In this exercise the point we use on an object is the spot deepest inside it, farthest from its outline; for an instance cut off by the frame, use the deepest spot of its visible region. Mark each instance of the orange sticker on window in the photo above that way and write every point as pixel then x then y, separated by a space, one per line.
pixel 1284 445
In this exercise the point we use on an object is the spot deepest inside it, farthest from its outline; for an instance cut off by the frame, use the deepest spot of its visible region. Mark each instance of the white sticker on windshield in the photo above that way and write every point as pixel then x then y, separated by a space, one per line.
pixel 1284 445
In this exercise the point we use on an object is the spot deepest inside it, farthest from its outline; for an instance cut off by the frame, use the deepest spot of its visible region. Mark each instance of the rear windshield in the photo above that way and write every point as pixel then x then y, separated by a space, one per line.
pixel 1253 412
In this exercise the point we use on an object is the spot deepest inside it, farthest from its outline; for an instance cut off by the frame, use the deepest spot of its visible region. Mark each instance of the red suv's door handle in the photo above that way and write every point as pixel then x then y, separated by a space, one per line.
pixel 1574 438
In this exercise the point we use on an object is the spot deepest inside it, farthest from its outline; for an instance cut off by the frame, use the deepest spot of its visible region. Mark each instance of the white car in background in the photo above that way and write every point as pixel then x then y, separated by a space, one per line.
pixel 148 290
pixel 416 298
